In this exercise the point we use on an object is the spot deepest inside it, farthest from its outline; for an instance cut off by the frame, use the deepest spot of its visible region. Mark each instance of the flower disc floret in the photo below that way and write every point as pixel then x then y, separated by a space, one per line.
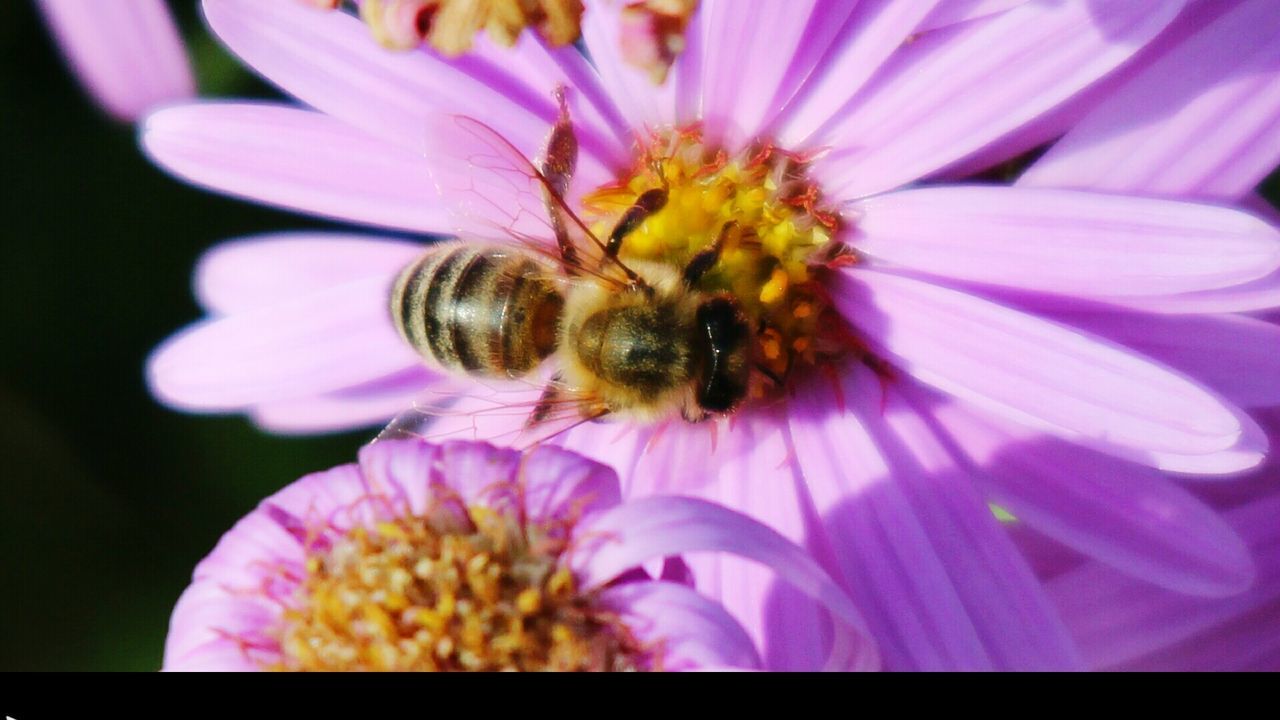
pixel 471 589
pixel 780 233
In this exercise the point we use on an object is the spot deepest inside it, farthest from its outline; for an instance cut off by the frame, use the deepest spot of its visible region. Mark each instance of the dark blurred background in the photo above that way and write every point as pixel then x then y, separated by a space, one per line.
pixel 108 499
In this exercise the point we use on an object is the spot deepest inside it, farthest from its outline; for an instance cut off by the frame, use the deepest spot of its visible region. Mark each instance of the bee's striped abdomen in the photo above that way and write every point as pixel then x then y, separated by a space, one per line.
pixel 477 309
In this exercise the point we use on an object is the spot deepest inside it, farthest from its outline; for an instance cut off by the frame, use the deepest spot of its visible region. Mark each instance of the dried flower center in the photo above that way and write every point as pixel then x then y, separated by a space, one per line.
pixel 781 236
pixel 450 26
pixel 652 34
pixel 471 591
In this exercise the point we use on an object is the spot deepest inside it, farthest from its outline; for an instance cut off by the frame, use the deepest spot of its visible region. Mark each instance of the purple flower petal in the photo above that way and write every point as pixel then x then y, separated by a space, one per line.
pixel 751 469
pixel 654 527
pixel 481 475
pixel 1047 557
pixel 941 584
pixel 925 109
pixel 793 632
pixel 1053 125
pixel 295 159
pixel 225 655
pixel 1248 452
pixel 691 631
pixel 1057 379
pixel 1233 354
pixel 1119 620
pixel 401 470
pixel 308 345
pixel 253 272
pixel 618 447
pixel 208 614
pixel 329 61
pixel 1256 485
pixel 255 537
pixel 951 12
pixel 1202 120
pixel 1249 643
pixel 554 484
pixel 1063 241
pixel 537 73
pixel 1261 294
pixel 1125 515
pixel 676 456
pixel 560 484
pixel 128 55
pixel 338 498
pixel 337 412
pixel 741 86
pixel 737 468
pixel 638 98
pixel 876 29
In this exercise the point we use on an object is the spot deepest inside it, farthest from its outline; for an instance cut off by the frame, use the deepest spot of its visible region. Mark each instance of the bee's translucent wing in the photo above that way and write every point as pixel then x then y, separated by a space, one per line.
pixel 515 413
pixel 494 191
pixel 490 188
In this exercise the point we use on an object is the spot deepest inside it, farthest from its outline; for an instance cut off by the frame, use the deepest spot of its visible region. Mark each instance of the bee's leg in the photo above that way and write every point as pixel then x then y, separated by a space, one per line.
pixel 546 402
pixel 694 414
pixel 769 373
pixel 557 163
pixel 705 260
pixel 649 202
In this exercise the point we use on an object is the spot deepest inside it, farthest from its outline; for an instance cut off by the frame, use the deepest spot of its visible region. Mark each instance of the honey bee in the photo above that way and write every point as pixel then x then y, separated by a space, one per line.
pixel 635 340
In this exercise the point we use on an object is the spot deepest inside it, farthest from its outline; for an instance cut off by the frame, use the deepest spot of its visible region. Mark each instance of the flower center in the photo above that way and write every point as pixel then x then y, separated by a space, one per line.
pixel 450 26
pixel 652 34
pixel 780 237
pixel 457 590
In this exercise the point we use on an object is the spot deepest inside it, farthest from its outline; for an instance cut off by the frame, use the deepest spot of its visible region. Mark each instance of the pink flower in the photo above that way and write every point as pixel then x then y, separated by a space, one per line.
pixel 466 556
pixel 971 294
pixel 127 53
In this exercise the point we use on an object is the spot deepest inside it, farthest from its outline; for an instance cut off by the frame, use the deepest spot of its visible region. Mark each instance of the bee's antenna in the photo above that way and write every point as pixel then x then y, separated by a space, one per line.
pixel 561 94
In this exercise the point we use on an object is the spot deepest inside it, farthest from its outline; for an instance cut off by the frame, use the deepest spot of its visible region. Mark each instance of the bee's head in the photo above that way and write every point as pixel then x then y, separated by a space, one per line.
pixel 722 348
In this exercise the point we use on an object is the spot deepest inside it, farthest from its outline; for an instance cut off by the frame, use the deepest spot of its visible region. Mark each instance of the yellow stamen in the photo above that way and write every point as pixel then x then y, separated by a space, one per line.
pixel 779 230
pixel 529 601
pixel 416 594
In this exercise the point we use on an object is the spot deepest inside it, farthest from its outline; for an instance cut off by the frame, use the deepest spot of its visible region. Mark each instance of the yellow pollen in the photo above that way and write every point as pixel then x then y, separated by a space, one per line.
pixel 391 530
pixel 770 344
pixel 529 601
pixel 773 290
pixel 780 231
pixel 417 593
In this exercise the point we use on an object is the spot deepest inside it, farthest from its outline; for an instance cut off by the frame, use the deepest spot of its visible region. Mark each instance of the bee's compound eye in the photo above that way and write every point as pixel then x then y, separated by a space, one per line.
pixel 724 337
